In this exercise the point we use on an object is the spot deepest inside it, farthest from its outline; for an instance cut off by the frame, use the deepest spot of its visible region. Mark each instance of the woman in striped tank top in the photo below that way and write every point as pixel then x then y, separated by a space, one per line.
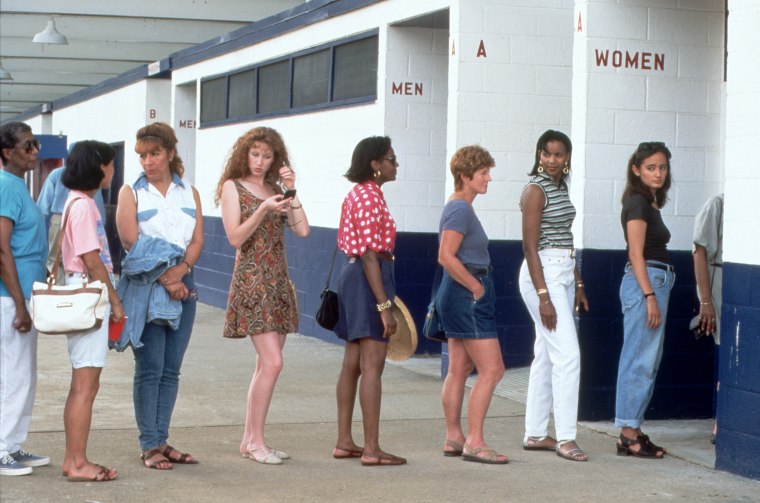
pixel 551 286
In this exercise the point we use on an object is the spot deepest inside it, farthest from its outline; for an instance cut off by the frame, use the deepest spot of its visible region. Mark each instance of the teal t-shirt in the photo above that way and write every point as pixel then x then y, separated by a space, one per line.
pixel 29 245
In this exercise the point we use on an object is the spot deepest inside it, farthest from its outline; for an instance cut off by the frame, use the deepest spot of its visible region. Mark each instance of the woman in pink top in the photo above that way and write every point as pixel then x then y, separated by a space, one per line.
pixel 89 168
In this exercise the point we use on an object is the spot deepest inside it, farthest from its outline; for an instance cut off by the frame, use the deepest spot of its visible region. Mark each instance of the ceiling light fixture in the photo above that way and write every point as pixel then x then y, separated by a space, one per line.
pixel 50 35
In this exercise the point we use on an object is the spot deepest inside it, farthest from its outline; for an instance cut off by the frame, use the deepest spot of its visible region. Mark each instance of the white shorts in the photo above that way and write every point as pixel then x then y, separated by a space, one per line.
pixel 88 349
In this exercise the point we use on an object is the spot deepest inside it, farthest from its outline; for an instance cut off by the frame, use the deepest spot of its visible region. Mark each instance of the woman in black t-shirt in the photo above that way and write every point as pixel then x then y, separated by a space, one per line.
pixel 644 293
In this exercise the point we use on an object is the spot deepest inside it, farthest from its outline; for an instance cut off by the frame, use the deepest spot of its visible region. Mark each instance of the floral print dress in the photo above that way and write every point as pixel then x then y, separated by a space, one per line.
pixel 262 297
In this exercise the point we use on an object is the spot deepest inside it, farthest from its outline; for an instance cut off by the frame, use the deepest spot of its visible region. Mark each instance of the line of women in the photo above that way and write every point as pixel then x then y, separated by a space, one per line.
pixel 160 224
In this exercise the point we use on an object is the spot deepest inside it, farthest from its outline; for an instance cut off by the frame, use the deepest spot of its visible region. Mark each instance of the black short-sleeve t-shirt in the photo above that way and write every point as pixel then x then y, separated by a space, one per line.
pixel 657 237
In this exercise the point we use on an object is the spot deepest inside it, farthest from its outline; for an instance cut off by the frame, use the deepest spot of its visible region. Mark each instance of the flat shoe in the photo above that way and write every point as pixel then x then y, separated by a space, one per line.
pixel 383 459
pixel 491 458
pixel 104 475
pixel 269 459
pixel 573 454
pixel 147 459
pixel 183 459
pixel 456 449
pixel 539 444
pixel 280 454
pixel 340 453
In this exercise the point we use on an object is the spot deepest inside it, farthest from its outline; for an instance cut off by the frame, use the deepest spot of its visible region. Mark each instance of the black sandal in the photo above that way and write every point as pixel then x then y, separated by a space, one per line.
pixel 646 448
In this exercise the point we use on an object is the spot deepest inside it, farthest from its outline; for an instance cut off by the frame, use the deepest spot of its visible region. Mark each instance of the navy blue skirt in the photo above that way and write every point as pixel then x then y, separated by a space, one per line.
pixel 357 307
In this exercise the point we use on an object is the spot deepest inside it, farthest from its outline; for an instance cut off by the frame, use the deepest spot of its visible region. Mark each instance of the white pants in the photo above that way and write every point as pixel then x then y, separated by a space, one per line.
pixel 555 371
pixel 18 379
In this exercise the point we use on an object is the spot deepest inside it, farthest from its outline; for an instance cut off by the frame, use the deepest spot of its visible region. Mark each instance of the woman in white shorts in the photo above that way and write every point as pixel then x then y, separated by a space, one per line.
pixel 89 168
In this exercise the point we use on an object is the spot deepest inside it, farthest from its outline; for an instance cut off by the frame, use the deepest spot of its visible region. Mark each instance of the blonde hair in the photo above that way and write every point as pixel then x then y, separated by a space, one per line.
pixel 237 163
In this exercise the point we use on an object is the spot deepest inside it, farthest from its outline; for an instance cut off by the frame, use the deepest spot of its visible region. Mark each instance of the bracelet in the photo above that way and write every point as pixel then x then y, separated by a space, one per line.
pixel 647 295
pixel 296 207
pixel 542 291
pixel 385 305
pixel 579 284
pixel 705 303
pixel 548 301
pixel 189 267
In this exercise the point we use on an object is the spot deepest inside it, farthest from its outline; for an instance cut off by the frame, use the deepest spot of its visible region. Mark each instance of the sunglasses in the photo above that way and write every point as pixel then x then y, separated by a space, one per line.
pixel 30 145
pixel 391 158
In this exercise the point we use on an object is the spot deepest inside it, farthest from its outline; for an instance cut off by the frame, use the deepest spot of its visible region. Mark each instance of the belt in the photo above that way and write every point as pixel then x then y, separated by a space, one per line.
pixel 479 271
pixel 661 266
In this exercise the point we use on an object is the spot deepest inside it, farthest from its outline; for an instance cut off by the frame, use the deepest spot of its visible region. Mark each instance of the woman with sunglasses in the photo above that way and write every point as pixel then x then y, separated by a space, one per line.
pixel 644 294
pixel 257 194
pixel 367 286
pixel 23 249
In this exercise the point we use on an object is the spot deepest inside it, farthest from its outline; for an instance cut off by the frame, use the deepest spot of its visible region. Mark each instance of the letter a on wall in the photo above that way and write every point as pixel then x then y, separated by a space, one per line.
pixel 579 28
pixel 453 48
pixel 481 50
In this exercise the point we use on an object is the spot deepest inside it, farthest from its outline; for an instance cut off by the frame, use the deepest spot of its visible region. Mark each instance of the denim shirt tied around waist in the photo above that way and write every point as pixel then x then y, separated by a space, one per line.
pixel 144 300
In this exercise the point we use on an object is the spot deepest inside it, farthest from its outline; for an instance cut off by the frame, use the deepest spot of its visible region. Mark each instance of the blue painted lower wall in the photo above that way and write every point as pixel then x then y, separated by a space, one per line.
pixel 738 442
pixel 684 386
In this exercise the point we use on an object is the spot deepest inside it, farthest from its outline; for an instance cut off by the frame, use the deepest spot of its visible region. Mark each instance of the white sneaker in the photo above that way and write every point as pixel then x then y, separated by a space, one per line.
pixel 9 466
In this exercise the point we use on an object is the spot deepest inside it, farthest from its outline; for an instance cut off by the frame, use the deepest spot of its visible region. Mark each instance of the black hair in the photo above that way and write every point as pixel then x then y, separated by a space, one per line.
pixel 634 185
pixel 9 136
pixel 83 165
pixel 369 149
pixel 543 140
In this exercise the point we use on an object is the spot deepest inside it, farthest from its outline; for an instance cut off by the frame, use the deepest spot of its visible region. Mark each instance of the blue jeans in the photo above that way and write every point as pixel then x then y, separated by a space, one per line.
pixel 642 346
pixel 157 368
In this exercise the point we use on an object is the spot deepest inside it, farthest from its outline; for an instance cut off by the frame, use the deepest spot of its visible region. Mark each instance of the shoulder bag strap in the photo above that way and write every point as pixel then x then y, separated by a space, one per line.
pixel 329 273
pixel 54 273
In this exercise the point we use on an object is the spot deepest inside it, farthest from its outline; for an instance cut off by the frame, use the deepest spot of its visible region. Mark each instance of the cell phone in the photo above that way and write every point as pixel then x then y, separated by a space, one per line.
pixel 289 193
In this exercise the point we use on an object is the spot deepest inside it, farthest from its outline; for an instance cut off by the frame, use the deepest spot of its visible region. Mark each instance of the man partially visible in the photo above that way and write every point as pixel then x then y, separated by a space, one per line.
pixel 23 248
pixel 50 201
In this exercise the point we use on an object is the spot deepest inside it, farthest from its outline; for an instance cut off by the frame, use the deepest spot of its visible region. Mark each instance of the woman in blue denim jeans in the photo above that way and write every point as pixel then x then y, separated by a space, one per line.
pixel 644 294
pixel 161 204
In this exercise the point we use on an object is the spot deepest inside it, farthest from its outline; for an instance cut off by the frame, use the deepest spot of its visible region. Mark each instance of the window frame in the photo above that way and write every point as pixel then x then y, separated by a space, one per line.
pixel 290 109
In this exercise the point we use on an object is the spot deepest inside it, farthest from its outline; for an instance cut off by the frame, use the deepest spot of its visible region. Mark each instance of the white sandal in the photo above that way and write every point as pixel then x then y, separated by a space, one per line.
pixel 270 458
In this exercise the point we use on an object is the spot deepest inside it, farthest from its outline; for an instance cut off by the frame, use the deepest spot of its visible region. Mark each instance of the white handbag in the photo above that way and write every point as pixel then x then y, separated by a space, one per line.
pixel 67 309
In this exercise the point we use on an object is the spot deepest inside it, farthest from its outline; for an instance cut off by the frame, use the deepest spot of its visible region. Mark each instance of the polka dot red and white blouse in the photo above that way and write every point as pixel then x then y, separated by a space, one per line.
pixel 365 222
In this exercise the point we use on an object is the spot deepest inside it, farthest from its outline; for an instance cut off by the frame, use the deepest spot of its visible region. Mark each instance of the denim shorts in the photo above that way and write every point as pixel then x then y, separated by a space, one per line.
pixel 462 317
pixel 358 317
pixel 88 349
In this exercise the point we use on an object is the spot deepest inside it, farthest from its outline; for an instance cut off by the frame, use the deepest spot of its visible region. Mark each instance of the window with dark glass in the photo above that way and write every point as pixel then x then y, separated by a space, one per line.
pixel 242 94
pixel 355 72
pixel 214 99
pixel 311 78
pixel 273 87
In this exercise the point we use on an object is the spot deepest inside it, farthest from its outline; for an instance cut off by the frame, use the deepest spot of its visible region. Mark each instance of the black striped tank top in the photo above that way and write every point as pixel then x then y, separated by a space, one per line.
pixel 559 213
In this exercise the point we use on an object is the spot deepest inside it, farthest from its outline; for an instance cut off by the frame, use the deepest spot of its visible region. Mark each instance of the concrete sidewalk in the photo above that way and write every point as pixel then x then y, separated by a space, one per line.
pixel 211 408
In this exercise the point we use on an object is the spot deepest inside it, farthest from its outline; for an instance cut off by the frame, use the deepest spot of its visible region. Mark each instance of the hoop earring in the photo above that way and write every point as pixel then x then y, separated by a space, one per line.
pixel 566 169
pixel 540 168
pixel 377 174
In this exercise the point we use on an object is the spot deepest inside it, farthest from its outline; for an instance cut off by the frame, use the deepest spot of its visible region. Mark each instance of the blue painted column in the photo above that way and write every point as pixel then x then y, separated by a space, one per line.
pixel 738 442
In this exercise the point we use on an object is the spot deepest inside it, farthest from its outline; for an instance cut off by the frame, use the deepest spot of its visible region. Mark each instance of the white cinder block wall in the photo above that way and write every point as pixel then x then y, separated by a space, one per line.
pixel 416 93
pixel 742 224
pixel 510 69
pixel 320 143
pixel 642 72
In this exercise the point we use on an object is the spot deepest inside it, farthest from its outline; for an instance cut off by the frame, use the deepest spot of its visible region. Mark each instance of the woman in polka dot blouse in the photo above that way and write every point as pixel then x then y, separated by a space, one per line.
pixel 367 235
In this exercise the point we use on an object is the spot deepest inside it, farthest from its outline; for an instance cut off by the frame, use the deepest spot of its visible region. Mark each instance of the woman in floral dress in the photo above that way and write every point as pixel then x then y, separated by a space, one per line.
pixel 262 303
